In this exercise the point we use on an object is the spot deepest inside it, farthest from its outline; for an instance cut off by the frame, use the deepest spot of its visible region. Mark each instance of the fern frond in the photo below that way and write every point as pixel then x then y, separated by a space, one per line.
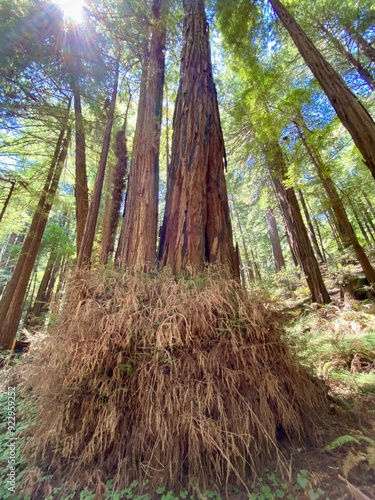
pixel 351 461
pixel 341 440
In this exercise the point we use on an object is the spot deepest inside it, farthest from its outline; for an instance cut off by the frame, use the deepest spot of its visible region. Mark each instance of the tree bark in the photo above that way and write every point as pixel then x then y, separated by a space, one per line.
pixel 275 241
pixel 310 227
pixel 296 228
pixel 43 297
pixel 367 48
pixel 248 263
pixel 197 227
pixel 84 256
pixel 137 245
pixel 354 63
pixel 350 111
pixel 8 198
pixel 14 294
pixel 118 187
pixel 81 188
pixel 348 235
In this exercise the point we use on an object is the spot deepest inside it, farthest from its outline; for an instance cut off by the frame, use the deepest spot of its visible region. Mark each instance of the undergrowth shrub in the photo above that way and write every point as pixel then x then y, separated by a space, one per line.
pixel 183 381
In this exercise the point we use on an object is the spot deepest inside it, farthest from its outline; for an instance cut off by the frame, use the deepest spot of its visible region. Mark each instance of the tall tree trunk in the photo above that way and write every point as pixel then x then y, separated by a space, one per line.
pixel 330 217
pixel 197 226
pixel 352 114
pixel 6 203
pixel 367 48
pixel 255 265
pixel 84 256
pixel 118 187
pixel 6 252
pixel 369 204
pixel 310 227
pixel 349 236
pixel 354 63
pixel 43 297
pixel 81 188
pixel 137 244
pixel 281 210
pixel 248 263
pixel 12 300
pixel 296 228
pixel 275 241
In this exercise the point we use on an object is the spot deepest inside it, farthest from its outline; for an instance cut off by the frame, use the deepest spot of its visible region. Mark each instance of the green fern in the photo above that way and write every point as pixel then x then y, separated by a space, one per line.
pixel 347 438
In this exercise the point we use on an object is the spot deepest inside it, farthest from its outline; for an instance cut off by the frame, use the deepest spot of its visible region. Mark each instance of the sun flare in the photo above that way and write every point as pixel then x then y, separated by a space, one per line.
pixel 72 9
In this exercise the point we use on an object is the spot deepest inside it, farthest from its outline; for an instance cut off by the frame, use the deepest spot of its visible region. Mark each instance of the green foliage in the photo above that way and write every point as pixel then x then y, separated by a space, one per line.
pixel 9 460
pixel 338 345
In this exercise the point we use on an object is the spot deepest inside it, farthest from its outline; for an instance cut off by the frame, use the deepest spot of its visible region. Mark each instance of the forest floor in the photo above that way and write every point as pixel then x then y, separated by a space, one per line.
pixel 337 344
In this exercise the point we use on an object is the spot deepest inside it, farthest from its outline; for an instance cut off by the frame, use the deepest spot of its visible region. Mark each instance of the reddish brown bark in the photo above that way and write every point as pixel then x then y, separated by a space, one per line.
pixel 7 200
pixel 118 187
pixel 313 238
pixel 84 256
pixel 197 226
pixel 348 235
pixel 81 187
pixel 248 263
pixel 43 297
pixel 296 228
pixel 137 243
pixel 12 300
pixel 275 241
pixel 352 114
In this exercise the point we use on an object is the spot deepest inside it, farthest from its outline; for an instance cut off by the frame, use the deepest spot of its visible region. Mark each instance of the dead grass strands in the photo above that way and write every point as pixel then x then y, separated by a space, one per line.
pixel 183 382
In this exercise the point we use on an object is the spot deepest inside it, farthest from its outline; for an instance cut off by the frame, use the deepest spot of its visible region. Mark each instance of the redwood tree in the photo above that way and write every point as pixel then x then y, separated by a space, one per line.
pixel 137 243
pixel 196 227
pixel 84 255
pixel 11 303
pixel 273 232
pixel 349 237
pixel 351 112
pixel 296 228
pixel 81 191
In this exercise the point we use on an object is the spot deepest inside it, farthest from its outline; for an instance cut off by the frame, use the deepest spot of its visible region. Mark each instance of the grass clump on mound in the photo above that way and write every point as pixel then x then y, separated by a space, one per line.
pixel 180 381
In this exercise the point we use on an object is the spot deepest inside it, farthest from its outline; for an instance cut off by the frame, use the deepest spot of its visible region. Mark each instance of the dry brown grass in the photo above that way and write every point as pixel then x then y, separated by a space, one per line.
pixel 179 381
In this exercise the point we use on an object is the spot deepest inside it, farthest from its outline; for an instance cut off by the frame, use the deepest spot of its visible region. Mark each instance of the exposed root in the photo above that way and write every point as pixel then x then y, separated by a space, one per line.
pixel 181 381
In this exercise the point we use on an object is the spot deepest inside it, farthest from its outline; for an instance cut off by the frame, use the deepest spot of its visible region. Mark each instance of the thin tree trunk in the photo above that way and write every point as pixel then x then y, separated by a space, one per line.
pixel 6 203
pixel 352 114
pixel 354 63
pixel 43 297
pixel 292 252
pixel 367 48
pixel 6 252
pixel 255 265
pixel 81 188
pixel 275 241
pixel 84 256
pixel 197 226
pixel 248 263
pixel 137 245
pixel 317 231
pixel 333 225
pixel 296 228
pixel 310 227
pixel 369 204
pixel 349 236
pixel 14 295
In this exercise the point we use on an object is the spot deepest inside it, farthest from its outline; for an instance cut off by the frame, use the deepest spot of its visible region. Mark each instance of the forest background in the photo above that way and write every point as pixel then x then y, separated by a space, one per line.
pixel 87 108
